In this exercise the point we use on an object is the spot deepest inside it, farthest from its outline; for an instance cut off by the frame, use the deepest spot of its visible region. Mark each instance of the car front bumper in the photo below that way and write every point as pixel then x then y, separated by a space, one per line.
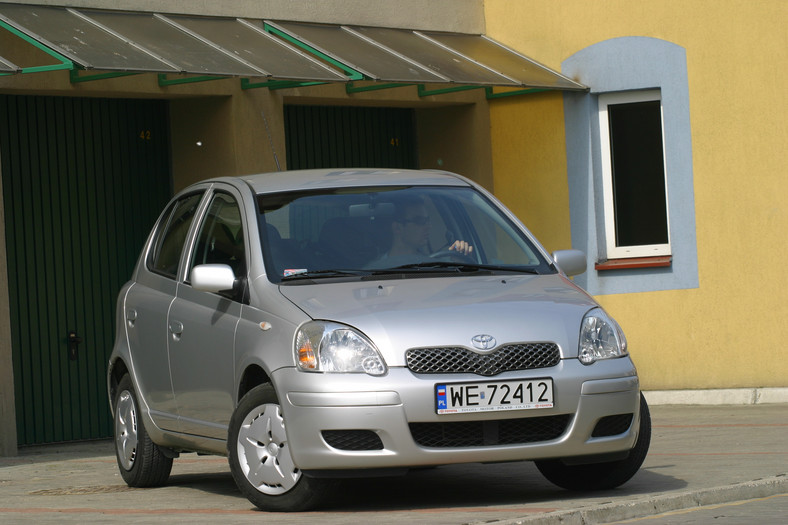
pixel 315 404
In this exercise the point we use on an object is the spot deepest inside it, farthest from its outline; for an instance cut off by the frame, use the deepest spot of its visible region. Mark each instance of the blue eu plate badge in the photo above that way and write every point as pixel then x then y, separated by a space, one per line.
pixel 440 391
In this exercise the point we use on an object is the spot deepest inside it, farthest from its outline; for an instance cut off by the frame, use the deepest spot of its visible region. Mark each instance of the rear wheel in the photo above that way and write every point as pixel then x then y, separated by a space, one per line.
pixel 602 476
pixel 140 460
pixel 260 457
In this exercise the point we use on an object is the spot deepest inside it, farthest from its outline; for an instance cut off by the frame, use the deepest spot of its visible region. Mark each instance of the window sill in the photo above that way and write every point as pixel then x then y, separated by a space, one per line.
pixel 635 262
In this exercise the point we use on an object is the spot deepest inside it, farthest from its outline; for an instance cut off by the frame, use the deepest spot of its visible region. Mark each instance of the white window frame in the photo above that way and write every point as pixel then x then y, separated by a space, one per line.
pixel 623 252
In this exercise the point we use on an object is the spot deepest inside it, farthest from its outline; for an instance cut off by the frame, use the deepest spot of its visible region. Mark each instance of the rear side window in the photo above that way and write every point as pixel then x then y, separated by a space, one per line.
pixel 171 235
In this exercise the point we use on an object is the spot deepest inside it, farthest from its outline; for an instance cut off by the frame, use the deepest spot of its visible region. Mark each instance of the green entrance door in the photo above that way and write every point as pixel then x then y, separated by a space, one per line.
pixel 83 182
pixel 350 137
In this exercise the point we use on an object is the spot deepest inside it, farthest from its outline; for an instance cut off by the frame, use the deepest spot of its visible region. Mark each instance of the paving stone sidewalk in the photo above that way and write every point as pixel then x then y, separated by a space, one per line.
pixel 700 455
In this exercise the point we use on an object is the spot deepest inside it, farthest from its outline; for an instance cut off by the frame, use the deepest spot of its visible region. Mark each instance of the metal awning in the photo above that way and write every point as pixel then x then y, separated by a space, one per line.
pixel 401 55
pixel 149 42
pixel 137 42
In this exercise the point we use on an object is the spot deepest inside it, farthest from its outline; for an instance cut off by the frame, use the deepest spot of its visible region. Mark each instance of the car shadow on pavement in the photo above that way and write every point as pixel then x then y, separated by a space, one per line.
pixel 477 486
pixel 456 486
pixel 219 483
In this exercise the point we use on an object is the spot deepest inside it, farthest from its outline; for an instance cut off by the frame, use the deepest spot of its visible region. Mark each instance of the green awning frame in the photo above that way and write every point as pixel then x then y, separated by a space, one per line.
pixel 351 73
pixel 64 63
pixel 423 91
pixel 76 78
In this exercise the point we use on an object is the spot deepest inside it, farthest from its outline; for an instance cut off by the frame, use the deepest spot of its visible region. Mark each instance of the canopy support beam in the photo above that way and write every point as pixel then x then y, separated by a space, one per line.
pixel 424 92
pixel 76 78
pixel 350 88
pixel 64 62
pixel 164 81
pixel 517 92
pixel 278 84
pixel 349 71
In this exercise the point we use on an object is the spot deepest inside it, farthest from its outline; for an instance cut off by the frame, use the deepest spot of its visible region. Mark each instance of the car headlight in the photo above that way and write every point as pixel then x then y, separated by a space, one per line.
pixel 331 347
pixel 600 338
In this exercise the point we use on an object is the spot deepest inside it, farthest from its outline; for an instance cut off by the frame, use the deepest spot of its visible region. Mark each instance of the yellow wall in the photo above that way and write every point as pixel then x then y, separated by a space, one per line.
pixel 729 332
pixel 527 155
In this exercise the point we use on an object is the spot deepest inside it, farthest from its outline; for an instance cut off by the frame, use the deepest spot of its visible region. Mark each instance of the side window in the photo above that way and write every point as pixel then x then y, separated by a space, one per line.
pixel 633 168
pixel 221 236
pixel 168 243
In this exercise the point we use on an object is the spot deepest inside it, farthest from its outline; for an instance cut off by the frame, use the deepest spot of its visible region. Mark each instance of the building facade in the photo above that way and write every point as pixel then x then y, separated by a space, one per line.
pixel 712 318
pixel 683 245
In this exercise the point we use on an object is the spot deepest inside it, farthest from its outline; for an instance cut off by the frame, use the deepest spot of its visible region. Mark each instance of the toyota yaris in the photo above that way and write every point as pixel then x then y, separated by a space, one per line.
pixel 321 324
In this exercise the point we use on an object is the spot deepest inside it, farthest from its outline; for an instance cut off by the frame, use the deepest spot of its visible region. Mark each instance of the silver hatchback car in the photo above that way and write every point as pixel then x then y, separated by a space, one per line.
pixel 321 324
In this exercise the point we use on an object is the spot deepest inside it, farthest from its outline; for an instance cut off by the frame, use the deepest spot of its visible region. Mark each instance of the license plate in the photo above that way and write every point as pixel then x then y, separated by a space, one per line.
pixel 458 398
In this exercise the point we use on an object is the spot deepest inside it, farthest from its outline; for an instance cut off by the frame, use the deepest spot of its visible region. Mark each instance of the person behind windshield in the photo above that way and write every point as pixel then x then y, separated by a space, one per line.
pixel 410 233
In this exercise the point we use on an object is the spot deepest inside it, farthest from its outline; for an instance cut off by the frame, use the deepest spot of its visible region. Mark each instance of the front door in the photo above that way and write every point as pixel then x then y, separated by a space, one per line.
pixel 201 338
pixel 83 182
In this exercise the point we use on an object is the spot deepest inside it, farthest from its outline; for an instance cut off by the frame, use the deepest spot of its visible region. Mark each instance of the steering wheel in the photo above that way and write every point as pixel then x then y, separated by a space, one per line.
pixel 453 256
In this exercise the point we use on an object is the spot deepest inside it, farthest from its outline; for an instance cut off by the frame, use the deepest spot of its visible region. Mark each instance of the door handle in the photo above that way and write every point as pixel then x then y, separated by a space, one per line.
pixel 73 345
pixel 176 327
pixel 131 317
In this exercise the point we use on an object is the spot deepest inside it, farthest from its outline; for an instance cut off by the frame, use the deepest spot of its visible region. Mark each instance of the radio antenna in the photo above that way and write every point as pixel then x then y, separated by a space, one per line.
pixel 271 142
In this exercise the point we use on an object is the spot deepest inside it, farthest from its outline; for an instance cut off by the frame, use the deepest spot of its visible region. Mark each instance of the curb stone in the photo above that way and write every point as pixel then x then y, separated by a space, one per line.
pixel 649 506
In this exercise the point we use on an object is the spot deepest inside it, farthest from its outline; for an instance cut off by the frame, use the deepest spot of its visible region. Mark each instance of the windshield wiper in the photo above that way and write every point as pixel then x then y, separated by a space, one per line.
pixel 311 274
pixel 457 267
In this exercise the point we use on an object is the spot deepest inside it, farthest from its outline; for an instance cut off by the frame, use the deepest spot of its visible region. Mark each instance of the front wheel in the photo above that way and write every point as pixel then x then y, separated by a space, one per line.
pixel 260 456
pixel 140 460
pixel 602 476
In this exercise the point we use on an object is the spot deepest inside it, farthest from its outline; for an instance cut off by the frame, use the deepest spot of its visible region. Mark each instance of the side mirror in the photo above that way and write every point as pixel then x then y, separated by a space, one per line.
pixel 571 262
pixel 213 278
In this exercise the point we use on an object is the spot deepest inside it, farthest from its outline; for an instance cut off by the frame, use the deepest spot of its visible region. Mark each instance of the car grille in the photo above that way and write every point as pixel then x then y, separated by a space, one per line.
pixel 612 425
pixel 457 360
pixel 353 439
pixel 489 433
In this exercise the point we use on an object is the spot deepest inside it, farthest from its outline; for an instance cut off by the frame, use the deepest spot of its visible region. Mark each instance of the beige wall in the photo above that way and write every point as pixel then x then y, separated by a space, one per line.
pixel 241 132
pixel 465 16
pixel 730 331
pixel 449 139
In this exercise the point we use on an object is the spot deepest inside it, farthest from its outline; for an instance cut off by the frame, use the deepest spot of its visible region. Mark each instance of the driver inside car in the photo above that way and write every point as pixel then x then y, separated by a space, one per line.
pixel 410 232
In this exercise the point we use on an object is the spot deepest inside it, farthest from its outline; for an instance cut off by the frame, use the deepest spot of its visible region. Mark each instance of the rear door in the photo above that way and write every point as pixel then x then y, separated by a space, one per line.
pixel 147 305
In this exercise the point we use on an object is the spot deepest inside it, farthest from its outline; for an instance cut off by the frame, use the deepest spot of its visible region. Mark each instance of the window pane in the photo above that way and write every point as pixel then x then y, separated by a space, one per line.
pixel 638 174
pixel 172 233
pixel 221 239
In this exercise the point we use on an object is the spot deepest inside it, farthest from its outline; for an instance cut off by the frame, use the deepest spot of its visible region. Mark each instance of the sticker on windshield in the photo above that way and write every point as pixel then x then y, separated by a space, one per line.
pixel 292 271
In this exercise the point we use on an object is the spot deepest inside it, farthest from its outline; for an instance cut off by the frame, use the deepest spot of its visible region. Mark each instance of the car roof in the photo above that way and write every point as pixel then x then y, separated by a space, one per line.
pixel 340 178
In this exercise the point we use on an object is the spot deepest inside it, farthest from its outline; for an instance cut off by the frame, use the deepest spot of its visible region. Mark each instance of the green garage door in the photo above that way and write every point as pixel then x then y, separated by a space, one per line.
pixel 350 137
pixel 83 181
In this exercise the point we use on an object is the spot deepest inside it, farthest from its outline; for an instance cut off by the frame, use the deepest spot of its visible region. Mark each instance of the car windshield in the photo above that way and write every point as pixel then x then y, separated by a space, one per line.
pixel 379 231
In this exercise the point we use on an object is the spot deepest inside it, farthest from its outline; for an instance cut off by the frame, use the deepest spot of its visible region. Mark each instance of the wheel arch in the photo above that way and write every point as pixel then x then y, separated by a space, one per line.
pixel 253 375
pixel 117 369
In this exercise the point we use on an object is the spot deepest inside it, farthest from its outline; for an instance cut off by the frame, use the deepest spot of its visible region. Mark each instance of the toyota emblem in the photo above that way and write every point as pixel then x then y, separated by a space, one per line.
pixel 483 342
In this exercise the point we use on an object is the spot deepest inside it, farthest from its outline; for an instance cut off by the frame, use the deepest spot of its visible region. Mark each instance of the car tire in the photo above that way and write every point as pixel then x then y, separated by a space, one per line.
pixel 602 476
pixel 140 460
pixel 260 458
